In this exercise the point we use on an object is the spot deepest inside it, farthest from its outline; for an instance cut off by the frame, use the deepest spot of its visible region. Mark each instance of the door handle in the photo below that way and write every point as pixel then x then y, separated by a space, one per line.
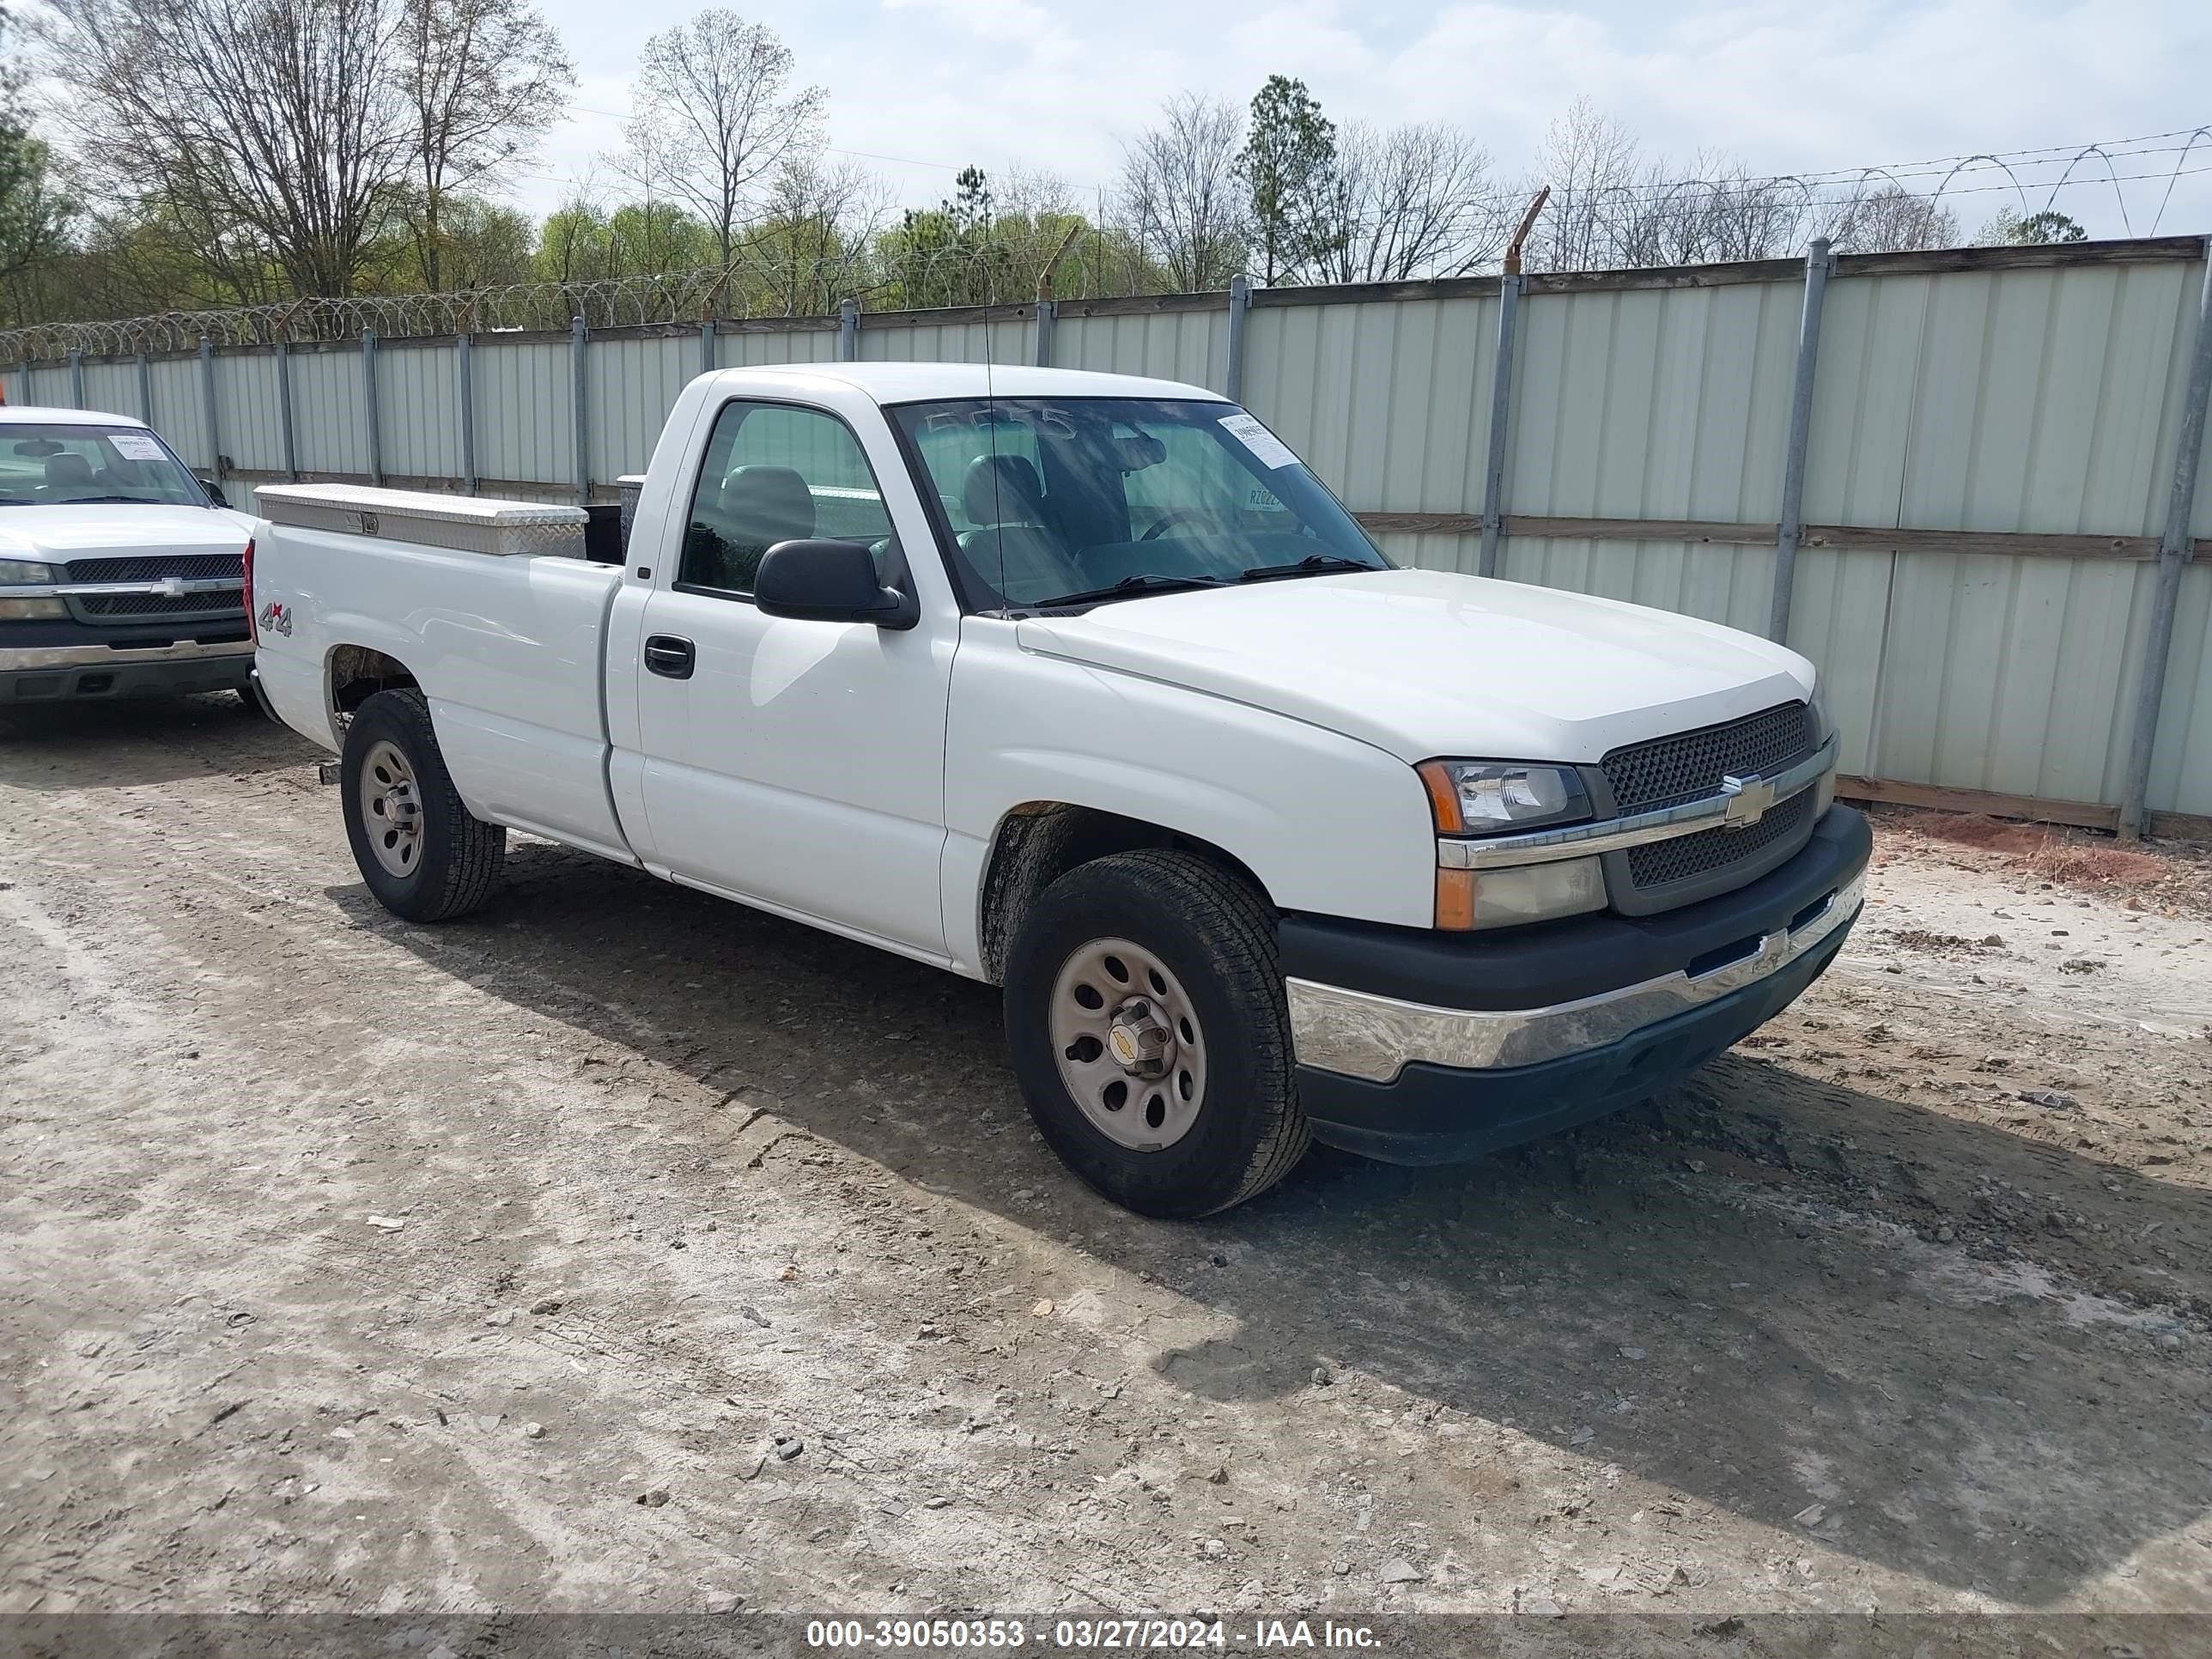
pixel 670 657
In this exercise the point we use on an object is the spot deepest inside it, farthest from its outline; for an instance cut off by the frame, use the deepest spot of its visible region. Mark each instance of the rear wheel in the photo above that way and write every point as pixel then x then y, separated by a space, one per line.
pixel 420 850
pixel 1145 1010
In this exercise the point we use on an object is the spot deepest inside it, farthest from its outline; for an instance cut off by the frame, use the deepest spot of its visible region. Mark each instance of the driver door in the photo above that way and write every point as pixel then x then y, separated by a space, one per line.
pixel 799 765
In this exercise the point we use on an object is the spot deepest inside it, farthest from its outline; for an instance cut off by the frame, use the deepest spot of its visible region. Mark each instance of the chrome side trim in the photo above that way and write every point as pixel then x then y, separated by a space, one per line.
pixel 1576 841
pixel 108 656
pixel 1373 1037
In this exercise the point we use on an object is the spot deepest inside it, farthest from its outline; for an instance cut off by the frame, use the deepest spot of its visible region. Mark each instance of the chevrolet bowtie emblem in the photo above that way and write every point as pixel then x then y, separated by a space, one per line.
pixel 173 587
pixel 1748 799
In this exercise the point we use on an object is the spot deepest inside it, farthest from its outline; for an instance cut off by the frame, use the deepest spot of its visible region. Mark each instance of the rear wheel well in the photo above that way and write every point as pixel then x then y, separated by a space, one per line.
pixel 358 673
pixel 1040 842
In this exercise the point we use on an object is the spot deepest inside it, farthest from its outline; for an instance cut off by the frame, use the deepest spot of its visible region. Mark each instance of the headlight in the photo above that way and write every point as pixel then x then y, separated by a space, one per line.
pixel 1489 798
pixel 25 610
pixel 15 573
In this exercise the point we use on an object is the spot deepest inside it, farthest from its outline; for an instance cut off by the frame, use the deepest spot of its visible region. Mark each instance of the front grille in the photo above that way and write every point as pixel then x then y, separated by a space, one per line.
pixel 1690 765
pixel 193 566
pixel 1662 863
pixel 156 604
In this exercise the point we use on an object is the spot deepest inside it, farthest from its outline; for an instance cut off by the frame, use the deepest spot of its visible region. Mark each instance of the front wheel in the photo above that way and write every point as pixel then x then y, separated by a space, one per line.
pixel 420 850
pixel 1145 1010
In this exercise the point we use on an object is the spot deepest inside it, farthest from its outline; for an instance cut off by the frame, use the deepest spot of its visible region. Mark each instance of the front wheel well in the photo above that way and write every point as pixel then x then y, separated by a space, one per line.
pixel 1039 842
pixel 358 672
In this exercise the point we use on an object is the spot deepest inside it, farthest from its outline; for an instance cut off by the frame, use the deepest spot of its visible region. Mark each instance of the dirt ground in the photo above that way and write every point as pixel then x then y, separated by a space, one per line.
pixel 620 1248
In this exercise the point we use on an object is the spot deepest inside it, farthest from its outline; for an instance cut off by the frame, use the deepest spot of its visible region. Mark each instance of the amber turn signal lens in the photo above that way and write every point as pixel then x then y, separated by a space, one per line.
pixel 1455 899
pixel 1443 799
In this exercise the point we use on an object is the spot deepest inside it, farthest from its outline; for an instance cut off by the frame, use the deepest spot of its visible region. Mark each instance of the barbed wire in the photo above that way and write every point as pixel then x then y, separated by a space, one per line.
pixel 1093 264
pixel 1626 224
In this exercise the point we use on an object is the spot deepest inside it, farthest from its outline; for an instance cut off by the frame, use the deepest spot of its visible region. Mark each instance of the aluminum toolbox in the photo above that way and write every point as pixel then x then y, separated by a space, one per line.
pixel 468 524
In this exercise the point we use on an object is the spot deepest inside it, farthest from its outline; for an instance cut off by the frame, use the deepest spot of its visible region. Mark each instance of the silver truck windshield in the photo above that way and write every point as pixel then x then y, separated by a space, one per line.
pixel 69 463
pixel 1055 502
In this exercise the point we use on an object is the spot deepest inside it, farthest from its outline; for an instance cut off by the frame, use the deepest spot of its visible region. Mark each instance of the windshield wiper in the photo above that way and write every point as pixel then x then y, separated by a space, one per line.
pixel 101 501
pixel 1312 564
pixel 1128 588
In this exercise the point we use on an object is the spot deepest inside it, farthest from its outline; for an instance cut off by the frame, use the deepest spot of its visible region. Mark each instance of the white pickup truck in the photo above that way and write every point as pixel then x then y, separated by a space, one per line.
pixel 119 571
pixel 1084 686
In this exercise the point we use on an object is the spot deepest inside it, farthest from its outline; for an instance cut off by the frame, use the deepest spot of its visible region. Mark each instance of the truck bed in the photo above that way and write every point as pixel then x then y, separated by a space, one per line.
pixel 509 650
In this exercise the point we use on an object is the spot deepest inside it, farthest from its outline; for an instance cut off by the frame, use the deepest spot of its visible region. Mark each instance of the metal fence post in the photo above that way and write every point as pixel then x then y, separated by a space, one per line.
pixel 1510 289
pixel 579 349
pixel 284 409
pixel 1047 313
pixel 1240 305
pixel 1820 265
pixel 707 364
pixel 207 393
pixel 145 390
pixel 76 377
pixel 468 395
pixel 848 331
pixel 369 393
pixel 2174 550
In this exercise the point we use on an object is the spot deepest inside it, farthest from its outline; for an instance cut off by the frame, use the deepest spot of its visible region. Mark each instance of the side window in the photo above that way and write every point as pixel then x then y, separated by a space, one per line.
pixel 777 474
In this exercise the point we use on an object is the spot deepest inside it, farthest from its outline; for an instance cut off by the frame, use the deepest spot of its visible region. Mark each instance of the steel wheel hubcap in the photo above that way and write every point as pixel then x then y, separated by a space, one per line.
pixel 1128 1042
pixel 390 810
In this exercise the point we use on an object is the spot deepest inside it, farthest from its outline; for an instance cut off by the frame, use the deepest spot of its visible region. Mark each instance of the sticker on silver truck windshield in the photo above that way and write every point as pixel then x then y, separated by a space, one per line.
pixel 1266 448
pixel 134 446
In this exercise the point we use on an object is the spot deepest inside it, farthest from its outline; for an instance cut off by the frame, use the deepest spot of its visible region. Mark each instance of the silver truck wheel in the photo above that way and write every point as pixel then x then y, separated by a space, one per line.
pixel 419 850
pixel 1131 1051
pixel 1145 1015
pixel 390 810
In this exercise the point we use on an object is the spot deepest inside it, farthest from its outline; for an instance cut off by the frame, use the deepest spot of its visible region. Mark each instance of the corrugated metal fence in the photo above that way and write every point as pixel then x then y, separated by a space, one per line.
pixel 1993 445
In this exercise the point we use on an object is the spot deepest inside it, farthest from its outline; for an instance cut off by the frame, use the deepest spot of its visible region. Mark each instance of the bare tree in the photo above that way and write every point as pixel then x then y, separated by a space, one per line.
pixel 1180 193
pixel 1710 208
pixel 1590 161
pixel 1410 201
pixel 818 227
pixel 713 116
pixel 272 129
pixel 1891 220
pixel 483 79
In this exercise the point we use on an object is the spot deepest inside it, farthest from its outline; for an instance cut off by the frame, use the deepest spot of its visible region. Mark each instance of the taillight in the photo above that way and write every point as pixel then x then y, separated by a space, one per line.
pixel 245 592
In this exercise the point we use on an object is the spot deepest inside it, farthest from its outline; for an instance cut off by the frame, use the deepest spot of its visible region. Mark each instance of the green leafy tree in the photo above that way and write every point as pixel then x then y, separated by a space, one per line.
pixel 33 214
pixel 655 239
pixel 2030 229
pixel 1287 163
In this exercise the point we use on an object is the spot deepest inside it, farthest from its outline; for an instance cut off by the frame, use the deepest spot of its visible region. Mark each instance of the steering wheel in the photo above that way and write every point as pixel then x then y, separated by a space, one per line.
pixel 1179 515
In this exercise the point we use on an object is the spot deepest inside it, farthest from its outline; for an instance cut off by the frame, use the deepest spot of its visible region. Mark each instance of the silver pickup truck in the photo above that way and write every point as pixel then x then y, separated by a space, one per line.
pixel 120 572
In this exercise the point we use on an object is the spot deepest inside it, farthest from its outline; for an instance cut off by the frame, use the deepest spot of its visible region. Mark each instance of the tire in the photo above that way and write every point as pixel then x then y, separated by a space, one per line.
pixel 437 862
pixel 1200 943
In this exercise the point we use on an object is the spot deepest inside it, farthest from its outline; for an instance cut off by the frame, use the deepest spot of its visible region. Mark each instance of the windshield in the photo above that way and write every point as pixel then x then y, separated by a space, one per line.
pixel 53 465
pixel 1062 501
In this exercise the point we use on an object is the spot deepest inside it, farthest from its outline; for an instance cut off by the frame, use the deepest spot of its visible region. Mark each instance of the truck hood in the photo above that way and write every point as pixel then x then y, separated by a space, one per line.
pixel 57 534
pixel 1427 664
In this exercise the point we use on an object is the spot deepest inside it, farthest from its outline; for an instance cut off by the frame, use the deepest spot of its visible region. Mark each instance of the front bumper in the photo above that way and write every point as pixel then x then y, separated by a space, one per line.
pixel 79 673
pixel 1421 1048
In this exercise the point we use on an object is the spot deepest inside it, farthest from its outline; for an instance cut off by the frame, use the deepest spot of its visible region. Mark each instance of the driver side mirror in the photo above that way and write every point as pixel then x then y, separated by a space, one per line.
pixel 830 581
pixel 214 494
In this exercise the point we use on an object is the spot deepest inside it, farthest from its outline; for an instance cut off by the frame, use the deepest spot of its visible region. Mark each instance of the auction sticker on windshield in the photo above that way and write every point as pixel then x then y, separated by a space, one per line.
pixel 134 446
pixel 1269 450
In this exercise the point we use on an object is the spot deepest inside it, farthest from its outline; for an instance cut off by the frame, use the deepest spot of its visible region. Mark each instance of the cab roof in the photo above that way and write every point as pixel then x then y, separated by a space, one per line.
pixel 31 415
pixel 909 382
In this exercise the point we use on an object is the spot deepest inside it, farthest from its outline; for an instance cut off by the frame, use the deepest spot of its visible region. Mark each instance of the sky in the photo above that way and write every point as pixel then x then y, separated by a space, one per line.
pixel 917 89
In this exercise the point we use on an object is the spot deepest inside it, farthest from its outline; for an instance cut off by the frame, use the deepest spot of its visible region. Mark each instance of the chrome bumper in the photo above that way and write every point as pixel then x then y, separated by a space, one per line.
pixel 1374 1037
pixel 108 656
